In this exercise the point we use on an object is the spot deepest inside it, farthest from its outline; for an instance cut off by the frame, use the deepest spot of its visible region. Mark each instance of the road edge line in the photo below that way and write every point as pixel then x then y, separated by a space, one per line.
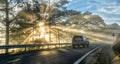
pixel 84 56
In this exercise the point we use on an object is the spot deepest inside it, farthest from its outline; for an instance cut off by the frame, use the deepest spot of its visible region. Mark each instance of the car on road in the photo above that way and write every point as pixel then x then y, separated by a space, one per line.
pixel 80 40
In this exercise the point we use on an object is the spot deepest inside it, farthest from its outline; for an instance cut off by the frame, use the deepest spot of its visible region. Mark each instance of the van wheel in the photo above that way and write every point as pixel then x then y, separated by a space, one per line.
pixel 87 45
pixel 73 46
pixel 78 46
pixel 83 46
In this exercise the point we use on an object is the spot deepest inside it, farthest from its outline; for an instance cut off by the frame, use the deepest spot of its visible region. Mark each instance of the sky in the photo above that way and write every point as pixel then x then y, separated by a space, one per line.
pixel 109 10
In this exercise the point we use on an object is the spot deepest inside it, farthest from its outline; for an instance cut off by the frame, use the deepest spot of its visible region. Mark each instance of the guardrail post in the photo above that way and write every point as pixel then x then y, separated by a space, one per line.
pixel 25 48
pixel 48 46
pixel 55 46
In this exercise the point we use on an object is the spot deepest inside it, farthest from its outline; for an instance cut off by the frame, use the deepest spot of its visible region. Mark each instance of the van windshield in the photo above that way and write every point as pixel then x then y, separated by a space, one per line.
pixel 78 38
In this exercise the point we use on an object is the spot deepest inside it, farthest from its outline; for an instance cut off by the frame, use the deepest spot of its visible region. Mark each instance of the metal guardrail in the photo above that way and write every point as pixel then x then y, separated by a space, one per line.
pixel 30 45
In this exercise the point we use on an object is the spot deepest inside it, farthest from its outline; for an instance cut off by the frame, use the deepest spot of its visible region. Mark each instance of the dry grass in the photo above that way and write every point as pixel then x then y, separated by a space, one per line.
pixel 107 55
pixel 116 60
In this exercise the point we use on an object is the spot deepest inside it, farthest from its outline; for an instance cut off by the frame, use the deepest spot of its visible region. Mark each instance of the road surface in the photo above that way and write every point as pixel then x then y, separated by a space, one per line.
pixel 54 56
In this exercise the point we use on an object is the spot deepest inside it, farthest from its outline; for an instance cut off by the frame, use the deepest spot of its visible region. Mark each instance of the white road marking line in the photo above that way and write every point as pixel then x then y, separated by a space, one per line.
pixel 83 57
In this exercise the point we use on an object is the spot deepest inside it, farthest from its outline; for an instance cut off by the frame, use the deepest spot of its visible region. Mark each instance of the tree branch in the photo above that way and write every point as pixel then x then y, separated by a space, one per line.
pixel 15 17
pixel 13 7
pixel 2 9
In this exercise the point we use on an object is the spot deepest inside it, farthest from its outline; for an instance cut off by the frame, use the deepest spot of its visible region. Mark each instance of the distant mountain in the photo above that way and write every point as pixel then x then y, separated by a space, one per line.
pixel 113 26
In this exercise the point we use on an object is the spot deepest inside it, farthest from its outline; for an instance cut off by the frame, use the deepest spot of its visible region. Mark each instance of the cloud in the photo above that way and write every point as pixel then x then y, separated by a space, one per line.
pixel 109 10
pixel 112 18
pixel 89 7
pixel 116 11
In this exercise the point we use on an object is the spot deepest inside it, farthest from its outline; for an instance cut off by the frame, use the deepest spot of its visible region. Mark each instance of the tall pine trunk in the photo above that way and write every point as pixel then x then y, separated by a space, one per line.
pixel 7 25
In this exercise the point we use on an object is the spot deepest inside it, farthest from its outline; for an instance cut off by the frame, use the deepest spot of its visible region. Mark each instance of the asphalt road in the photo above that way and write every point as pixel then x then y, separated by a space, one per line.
pixel 54 56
